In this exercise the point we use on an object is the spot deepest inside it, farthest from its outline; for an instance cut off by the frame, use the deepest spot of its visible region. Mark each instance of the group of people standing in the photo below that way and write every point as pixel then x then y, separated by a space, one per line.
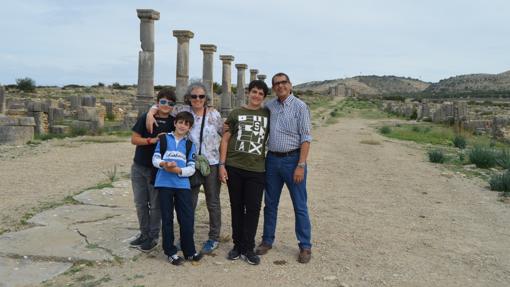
pixel 170 140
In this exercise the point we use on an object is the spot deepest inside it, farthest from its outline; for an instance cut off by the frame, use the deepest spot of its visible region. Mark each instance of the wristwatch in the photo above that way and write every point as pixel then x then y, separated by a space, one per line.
pixel 301 164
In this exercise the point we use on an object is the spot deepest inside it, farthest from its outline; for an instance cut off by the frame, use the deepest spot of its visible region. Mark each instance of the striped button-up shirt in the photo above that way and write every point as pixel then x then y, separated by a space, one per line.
pixel 289 124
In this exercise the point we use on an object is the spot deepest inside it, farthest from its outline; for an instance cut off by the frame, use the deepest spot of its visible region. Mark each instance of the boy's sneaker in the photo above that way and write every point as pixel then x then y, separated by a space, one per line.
pixel 233 254
pixel 148 245
pixel 175 260
pixel 209 246
pixel 195 257
pixel 138 240
pixel 252 258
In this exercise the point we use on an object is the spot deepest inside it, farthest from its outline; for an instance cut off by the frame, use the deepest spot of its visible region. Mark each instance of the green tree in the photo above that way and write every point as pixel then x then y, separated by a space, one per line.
pixel 26 84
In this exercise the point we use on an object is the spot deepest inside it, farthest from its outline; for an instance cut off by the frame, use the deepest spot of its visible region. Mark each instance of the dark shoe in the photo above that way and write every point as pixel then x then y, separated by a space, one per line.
pixel 305 254
pixel 148 245
pixel 138 240
pixel 233 254
pixel 196 257
pixel 175 260
pixel 209 246
pixel 252 258
pixel 263 248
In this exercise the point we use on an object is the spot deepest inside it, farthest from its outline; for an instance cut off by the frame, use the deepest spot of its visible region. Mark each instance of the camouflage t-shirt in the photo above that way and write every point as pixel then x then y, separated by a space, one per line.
pixel 247 145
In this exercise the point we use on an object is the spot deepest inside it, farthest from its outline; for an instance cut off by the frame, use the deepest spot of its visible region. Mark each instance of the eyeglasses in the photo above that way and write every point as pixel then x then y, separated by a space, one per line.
pixel 284 82
pixel 197 96
pixel 166 102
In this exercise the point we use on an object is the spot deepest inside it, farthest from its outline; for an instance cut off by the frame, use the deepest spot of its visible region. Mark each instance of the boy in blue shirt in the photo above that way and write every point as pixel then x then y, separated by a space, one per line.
pixel 175 165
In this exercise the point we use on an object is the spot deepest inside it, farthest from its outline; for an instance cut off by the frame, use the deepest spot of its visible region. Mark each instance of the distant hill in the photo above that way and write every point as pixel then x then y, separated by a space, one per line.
pixel 369 85
pixel 472 83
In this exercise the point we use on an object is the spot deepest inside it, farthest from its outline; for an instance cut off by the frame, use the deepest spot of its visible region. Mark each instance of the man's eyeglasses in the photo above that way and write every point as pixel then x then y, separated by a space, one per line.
pixel 284 82
pixel 197 96
pixel 166 102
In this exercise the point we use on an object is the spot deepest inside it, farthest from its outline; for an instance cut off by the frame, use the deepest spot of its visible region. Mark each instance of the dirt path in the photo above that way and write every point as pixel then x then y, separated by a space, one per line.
pixel 31 176
pixel 381 216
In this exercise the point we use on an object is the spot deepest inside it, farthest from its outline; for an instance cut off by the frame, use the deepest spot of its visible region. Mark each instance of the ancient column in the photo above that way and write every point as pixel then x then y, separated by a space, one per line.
pixel 207 70
pixel 226 104
pixel 240 96
pixel 2 100
pixel 182 74
pixel 261 77
pixel 253 74
pixel 145 94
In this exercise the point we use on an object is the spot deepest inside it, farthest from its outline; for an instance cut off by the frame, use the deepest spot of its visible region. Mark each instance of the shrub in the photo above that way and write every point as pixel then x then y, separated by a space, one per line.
pixel 483 157
pixel 25 84
pixel 501 182
pixel 415 129
pixel 385 130
pixel 503 159
pixel 436 156
pixel 459 142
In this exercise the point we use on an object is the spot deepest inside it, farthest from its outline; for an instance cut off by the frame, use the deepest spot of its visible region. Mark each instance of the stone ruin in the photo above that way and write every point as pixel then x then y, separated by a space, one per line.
pixel 454 113
pixel 21 119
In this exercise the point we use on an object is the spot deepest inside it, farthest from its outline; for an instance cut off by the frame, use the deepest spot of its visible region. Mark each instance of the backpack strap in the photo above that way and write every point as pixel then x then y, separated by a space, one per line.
pixel 162 145
pixel 188 148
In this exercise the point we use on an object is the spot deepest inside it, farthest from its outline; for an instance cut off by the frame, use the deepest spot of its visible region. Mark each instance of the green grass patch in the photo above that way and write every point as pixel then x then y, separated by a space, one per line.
pixel 436 156
pixel 483 156
pixel 423 134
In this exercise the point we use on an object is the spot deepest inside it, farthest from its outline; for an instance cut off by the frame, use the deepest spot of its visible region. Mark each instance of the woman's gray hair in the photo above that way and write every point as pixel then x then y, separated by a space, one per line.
pixel 195 85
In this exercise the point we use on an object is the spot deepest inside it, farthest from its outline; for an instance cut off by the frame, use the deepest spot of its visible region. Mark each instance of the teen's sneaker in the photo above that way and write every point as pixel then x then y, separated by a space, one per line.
pixel 209 246
pixel 233 254
pixel 175 260
pixel 138 240
pixel 148 245
pixel 252 258
pixel 196 257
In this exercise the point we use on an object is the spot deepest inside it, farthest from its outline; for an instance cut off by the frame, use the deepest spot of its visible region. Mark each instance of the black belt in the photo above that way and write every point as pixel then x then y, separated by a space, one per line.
pixel 284 154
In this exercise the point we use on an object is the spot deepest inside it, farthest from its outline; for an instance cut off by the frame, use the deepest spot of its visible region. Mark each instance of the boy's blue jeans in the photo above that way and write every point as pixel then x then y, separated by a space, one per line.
pixel 280 170
pixel 181 199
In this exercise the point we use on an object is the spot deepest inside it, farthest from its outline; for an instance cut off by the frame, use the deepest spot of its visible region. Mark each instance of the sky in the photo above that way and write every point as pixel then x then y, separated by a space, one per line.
pixel 86 42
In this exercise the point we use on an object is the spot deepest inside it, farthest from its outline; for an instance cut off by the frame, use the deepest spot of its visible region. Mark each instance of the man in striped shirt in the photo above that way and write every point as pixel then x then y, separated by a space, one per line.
pixel 288 145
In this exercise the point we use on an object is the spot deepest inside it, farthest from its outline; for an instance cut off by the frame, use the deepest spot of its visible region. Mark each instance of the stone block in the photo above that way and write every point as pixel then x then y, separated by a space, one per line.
pixel 87 114
pixel 41 123
pixel 82 125
pixel 16 135
pixel 26 121
pixel 129 120
pixel 60 129
pixel 35 107
pixel 8 121
pixel 75 101
pixel 55 115
pixel 88 101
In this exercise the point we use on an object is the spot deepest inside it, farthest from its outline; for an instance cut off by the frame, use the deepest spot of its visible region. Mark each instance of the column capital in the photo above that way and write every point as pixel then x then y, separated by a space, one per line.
pixel 147 14
pixel 261 77
pixel 208 48
pixel 226 58
pixel 254 71
pixel 183 34
pixel 241 66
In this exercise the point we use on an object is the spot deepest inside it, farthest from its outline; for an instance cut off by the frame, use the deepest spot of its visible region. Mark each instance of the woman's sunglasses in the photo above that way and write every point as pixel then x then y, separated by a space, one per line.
pixel 166 102
pixel 197 96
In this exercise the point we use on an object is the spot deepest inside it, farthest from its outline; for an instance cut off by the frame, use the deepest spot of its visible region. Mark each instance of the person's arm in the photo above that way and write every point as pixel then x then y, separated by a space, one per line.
pixel 150 121
pixel 304 126
pixel 222 172
pixel 137 139
pixel 189 170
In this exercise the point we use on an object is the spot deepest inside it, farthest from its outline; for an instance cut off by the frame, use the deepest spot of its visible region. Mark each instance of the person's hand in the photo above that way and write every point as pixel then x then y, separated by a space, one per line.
pixel 222 174
pixel 299 174
pixel 225 127
pixel 169 166
pixel 150 121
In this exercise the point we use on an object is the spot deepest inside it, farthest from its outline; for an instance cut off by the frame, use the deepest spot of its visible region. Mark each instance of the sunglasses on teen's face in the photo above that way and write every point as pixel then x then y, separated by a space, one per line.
pixel 197 97
pixel 166 102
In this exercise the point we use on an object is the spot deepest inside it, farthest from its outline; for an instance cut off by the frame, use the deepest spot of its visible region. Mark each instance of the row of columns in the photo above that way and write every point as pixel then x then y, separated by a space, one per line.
pixel 146 67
